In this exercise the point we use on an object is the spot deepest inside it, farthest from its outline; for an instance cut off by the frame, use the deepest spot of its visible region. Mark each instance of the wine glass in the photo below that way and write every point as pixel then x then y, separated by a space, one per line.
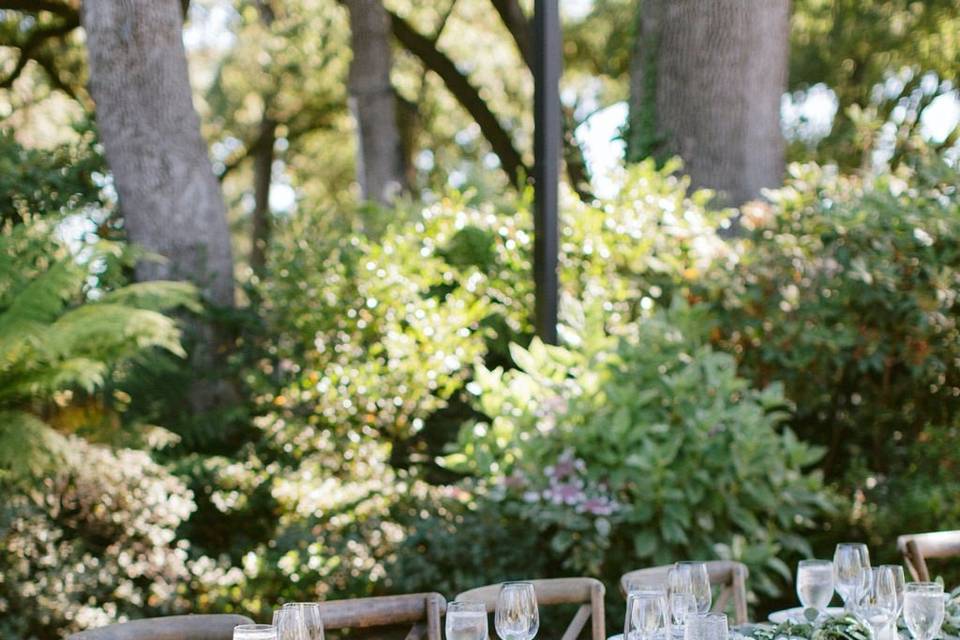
pixel 255 632
pixel 923 609
pixel 878 606
pixel 517 616
pixel 692 578
pixel 851 571
pixel 298 621
pixel 706 626
pixel 647 614
pixel 466 621
pixel 682 607
pixel 901 581
pixel 815 584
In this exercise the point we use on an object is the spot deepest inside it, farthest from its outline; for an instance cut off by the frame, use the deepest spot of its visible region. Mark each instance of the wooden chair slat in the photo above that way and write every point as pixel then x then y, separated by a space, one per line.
pixel 576 625
pixel 729 574
pixel 422 610
pixel 917 547
pixel 194 627
pixel 586 591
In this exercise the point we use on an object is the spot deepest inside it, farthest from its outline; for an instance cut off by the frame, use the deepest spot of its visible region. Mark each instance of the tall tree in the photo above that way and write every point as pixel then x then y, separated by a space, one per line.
pixel 380 167
pixel 706 81
pixel 169 197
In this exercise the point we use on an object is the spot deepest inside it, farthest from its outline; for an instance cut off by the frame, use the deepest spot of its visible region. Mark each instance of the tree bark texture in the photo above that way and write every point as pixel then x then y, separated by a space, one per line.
pixel 262 174
pixel 169 196
pixel 380 169
pixel 706 82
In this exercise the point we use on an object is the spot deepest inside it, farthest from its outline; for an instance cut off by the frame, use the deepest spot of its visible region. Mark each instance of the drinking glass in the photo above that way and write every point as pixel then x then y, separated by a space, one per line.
pixel 298 621
pixel 901 581
pixel 815 584
pixel 692 578
pixel 647 615
pixel 706 626
pixel 682 607
pixel 517 617
pixel 466 621
pixel 923 609
pixel 851 571
pixel 878 605
pixel 255 632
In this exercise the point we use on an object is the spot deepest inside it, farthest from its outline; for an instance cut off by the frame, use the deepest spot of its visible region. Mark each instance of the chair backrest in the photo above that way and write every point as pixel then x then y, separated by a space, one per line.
pixel 421 610
pixel 729 575
pixel 199 627
pixel 917 547
pixel 586 592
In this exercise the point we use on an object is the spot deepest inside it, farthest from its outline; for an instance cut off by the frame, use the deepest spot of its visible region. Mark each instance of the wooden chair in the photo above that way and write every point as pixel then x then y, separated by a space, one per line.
pixel 586 592
pixel 729 575
pixel 422 610
pixel 917 547
pixel 200 627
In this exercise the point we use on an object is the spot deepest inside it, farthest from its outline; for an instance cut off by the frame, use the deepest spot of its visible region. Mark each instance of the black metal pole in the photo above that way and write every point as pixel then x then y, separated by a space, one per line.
pixel 547 135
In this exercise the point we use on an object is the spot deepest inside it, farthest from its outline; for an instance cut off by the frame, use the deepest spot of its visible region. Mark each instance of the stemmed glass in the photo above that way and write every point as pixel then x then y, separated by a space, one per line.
pixel 815 584
pixel 923 609
pixel 517 616
pixel 851 571
pixel 692 578
pixel 707 626
pixel 254 632
pixel 647 614
pixel 298 621
pixel 878 606
pixel 466 621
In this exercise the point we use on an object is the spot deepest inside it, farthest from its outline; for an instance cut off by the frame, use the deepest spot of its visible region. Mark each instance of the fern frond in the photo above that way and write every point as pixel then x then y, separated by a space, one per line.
pixel 159 295
pixel 112 331
pixel 28 445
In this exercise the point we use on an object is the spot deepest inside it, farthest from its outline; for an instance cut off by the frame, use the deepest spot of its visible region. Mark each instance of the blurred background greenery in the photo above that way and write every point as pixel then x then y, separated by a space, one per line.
pixel 392 425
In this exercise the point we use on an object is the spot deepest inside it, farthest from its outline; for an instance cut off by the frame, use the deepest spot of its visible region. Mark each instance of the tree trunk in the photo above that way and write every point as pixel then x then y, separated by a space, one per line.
pixel 262 173
pixel 706 83
pixel 380 168
pixel 169 196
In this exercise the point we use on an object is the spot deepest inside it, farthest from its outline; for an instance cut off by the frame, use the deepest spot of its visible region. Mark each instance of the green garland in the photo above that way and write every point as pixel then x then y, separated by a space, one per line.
pixel 842 627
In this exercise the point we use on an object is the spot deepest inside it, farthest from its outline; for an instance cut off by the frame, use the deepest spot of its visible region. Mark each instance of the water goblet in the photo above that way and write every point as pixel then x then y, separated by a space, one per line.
pixel 923 609
pixel 517 616
pixel 647 614
pixel 466 621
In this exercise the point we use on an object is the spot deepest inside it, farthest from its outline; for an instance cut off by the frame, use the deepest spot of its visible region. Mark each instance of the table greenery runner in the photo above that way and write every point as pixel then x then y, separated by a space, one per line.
pixel 850 627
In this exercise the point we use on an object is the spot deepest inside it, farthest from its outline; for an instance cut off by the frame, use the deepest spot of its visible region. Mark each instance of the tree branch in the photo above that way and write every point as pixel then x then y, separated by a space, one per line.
pixel 466 94
pixel 516 23
pixel 36 39
pixel 34 6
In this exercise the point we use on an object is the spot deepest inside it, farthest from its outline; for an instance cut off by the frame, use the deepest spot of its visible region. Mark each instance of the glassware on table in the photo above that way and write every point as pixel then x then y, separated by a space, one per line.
pixel 298 621
pixel 682 607
pixel 815 584
pixel 878 603
pixel 706 626
pixel 692 578
pixel 923 609
pixel 255 632
pixel 517 616
pixel 901 581
pixel 851 572
pixel 466 621
pixel 648 614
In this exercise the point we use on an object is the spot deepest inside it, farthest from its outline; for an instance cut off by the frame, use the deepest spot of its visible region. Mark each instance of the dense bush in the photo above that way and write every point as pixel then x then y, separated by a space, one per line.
pixel 91 543
pixel 631 451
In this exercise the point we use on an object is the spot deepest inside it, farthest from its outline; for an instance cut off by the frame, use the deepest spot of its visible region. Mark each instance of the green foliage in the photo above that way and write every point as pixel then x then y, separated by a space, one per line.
pixel 842 627
pixel 91 543
pixel 60 337
pixel 646 447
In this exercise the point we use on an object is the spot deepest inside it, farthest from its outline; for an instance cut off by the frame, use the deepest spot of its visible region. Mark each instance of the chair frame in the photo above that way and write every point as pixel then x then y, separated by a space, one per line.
pixel 587 592
pixel 191 627
pixel 422 610
pixel 730 575
pixel 917 547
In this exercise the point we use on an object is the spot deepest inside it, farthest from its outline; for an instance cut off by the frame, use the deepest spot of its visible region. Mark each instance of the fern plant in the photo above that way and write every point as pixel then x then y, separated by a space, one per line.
pixel 61 334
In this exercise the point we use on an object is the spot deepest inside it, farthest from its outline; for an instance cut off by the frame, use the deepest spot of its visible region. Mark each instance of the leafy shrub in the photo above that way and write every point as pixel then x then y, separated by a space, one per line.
pixel 90 544
pixel 629 451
